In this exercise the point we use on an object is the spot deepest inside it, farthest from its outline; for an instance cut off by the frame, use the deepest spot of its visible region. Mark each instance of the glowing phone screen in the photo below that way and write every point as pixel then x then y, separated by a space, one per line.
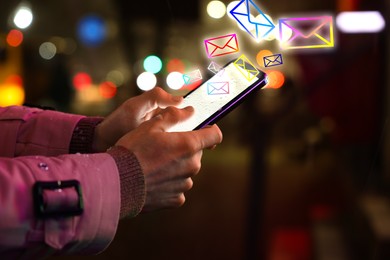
pixel 217 95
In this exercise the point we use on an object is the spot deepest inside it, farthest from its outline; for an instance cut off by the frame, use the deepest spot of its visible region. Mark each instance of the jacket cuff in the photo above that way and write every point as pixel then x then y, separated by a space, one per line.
pixel 83 133
pixel 132 181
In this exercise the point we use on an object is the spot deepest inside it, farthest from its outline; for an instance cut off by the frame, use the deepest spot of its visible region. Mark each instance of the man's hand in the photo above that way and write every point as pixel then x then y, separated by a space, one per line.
pixel 130 115
pixel 169 159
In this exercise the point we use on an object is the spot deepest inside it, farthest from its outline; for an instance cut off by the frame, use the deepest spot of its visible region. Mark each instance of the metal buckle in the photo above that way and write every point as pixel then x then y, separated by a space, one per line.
pixel 40 205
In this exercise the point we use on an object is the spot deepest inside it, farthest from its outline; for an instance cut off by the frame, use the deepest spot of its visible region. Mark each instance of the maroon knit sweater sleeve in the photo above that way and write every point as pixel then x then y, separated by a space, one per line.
pixel 132 183
pixel 83 133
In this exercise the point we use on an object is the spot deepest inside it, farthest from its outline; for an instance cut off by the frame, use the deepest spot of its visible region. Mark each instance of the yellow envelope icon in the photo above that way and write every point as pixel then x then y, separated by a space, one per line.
pixel 307 32
pixel 217 88
pixel 246 67
pixel 221 45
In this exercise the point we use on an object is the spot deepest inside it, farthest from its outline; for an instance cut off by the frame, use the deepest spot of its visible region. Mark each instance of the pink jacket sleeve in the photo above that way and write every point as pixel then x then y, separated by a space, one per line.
pixel 26 131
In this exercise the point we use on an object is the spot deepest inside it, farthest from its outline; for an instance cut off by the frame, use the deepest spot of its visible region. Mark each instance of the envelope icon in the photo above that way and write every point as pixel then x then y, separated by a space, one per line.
pixel 252 19
pixel 273 60
pixel 214 67
pixel 245 66
pixel 192 77
pixel 307 32
pixel 221 45
pixel 217 88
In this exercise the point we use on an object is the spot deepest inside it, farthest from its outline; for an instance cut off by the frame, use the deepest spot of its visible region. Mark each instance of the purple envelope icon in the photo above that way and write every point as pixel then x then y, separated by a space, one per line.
pixel 273 60
pixel 307 32
pixel 218 88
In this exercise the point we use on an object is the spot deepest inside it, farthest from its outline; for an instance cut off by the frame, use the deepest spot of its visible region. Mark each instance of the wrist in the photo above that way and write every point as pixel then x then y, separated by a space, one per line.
pixel 99 144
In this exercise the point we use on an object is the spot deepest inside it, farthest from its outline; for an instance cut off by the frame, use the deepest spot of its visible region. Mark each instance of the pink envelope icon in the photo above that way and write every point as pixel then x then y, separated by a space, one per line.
pixel 221 45
pixel 307 32
pixel 218 88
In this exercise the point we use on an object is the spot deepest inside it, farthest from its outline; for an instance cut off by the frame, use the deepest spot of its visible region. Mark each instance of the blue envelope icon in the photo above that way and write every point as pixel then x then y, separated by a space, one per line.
pixel 273 60
pixel 245 11
pixel 218 88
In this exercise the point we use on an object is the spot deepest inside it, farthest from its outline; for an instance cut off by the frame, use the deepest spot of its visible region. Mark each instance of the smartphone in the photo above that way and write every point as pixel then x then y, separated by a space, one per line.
pixel 220 94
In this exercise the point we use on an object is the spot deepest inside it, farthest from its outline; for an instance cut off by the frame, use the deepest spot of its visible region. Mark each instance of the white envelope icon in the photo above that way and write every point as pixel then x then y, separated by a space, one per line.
pixel 214 67
pixel 218 88
pixel 192 77
pixel 245 11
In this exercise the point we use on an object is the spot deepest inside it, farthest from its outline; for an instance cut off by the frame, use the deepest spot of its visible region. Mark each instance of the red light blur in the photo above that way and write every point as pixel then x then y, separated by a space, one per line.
pixel 82 80
pixel 107 89
pixel 14 79
pixel 175 65
pixel 275 79
pixel 14 38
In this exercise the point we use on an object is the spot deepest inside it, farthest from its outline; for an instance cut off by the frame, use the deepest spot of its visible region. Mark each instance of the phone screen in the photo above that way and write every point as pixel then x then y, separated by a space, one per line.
pixel 218 95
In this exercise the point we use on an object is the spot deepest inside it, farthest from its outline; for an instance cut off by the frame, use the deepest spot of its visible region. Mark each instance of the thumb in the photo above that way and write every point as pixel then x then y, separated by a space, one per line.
pixel 171 116
pixel 154 99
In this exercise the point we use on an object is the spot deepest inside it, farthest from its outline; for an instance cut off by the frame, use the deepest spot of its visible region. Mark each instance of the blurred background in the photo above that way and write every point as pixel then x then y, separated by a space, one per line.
pixel 304 169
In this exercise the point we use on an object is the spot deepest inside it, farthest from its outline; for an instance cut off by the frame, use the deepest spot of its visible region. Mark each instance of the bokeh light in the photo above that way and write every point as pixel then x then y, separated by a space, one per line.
pixel 152 64
pixel 116 77
pixel 14 38
pixel 175 65
pixel 283 33
pixel 14 79
pixel 216 9
pixel 64 45
pixel 357 22
pixel 175 80
pixel 107 89
pixel 275 79
pixel 11 94
pixel 92 30
pixel 47 50
pixel 146 81
pixel 82 80
pixel 23 17
pixel 260 55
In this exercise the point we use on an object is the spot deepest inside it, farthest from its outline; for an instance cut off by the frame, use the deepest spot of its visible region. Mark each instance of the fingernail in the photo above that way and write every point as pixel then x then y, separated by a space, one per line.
pixel 189 108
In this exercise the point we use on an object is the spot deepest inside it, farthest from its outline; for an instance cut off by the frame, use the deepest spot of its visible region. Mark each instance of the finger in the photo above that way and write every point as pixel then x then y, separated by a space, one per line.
pixel 152 100
pixel 172 115
pixel 180 185
pixel 208 137
pixel 158 97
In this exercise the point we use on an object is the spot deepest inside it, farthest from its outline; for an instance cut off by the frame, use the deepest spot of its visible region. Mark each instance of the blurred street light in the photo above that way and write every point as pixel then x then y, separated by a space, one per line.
pixel 360 22
pixel 23 16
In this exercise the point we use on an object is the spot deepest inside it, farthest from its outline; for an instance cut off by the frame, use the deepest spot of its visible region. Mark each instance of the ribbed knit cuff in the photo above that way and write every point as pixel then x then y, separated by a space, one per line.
pixel 132 181
pixel 83 134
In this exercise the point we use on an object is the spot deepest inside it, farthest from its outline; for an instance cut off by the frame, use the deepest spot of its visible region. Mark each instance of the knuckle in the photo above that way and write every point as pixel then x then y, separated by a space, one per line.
pixel 196 166
pixel 172 111
pixel 180 200
pixel 188 184
pixel 157 91
pixel 191 145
